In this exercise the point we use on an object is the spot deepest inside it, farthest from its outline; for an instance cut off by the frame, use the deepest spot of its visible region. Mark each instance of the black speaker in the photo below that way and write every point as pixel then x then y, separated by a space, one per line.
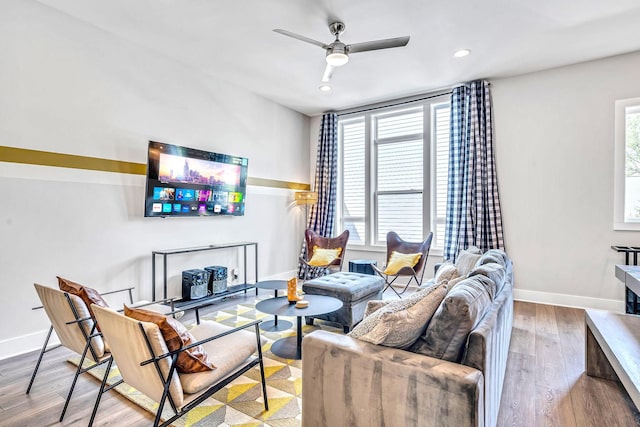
pixel 194 284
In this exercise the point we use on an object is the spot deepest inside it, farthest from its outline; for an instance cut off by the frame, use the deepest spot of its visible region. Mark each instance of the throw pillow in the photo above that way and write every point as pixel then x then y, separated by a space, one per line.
pixel 459 313
pixel 88 295
pixel 374 305
pixel 446 272
pixel 467 259
pixel 399 323
pixel 322 257
pixel 398 261
pixel 176 336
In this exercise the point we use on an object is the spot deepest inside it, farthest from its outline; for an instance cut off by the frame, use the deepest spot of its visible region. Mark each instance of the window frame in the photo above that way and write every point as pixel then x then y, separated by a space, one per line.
pixel 619 196
pixel 428 136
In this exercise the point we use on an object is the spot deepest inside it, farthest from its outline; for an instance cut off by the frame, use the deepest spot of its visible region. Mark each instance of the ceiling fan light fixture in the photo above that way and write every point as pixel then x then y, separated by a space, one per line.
pixel 337 55
pixel 325 88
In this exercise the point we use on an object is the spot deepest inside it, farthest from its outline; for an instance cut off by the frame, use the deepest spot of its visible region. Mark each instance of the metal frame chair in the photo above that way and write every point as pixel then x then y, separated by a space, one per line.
pixel 395 243
pixel 147 365
pixel 75 328
pixel 313 239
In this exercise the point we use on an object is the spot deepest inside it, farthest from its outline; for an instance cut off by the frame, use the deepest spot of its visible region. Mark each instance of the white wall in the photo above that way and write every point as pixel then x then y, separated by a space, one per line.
pixel 71 88
pixel 554 133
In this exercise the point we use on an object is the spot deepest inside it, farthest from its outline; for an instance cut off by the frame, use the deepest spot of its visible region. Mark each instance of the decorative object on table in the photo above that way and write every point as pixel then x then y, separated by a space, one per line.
pixel 302 304
pixel 217 279
pixel 404 259
pixel 194 284
pixel 362 266
pixel 292 291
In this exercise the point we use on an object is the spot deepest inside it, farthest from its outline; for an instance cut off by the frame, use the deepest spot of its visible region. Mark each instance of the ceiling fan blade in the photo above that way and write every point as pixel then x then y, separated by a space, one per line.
pixel 301 38
pixel 328 72
pixel 378 44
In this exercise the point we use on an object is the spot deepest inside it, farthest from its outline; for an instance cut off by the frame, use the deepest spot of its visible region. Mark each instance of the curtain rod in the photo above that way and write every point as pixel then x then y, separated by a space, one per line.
pixel 395 103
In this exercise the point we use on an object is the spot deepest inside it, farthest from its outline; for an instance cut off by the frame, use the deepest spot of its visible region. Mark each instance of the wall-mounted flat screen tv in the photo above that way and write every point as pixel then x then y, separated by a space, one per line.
pixel 185 181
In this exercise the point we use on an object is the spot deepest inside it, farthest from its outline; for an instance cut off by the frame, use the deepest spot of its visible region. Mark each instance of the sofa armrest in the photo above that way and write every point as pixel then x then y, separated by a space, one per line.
pixel 348 382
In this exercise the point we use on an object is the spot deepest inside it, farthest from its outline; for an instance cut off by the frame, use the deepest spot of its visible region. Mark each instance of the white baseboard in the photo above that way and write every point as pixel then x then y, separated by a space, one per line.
pixel 568 300
pixel 25 344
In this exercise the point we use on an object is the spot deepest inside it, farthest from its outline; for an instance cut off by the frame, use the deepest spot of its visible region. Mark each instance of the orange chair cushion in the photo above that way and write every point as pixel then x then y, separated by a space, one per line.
pixel 398 261
pixel 176 336
pixel 322 257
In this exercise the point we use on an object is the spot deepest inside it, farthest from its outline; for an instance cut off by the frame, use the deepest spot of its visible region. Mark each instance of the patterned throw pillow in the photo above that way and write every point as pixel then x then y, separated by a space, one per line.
pixel 176 336
pixel 398 324
pixel 398 261
pixel 88 295
pixel 322 257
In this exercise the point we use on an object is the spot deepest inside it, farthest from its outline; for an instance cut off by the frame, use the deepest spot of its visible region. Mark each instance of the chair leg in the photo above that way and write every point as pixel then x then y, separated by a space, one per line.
pixel 104 383
pixel 75 379
pixel 42 352
pixel 264 381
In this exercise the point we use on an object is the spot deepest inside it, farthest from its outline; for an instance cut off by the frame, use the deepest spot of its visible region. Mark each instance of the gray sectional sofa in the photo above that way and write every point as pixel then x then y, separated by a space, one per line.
pixel 350 382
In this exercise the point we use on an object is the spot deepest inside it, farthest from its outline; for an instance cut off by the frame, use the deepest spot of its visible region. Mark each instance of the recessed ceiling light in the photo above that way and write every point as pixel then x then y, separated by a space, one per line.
pixel 461 53
pixel 325 88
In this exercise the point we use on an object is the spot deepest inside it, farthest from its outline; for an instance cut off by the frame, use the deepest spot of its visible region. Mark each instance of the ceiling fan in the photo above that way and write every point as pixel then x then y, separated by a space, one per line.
pixel 337 52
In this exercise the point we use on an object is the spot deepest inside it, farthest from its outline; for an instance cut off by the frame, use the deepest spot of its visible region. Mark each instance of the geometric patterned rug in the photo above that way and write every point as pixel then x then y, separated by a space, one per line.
pixel 240 404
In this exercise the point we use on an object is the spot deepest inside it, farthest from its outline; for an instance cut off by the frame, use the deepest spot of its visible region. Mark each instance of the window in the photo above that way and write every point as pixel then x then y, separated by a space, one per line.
pixel 627 165
pixel 394 164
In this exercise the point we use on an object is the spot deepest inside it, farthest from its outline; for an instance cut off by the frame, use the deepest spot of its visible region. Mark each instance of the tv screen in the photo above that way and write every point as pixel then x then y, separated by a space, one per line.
pixel 188 182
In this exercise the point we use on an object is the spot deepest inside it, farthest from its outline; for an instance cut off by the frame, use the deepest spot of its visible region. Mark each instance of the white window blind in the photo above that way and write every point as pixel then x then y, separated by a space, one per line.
pixel 399 174
pixel 394 164
pixel 353 179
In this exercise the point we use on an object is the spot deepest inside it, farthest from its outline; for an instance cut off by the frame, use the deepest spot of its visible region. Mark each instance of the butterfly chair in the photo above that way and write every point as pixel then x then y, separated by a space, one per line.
pixel 404 259
pixel 146 364
pixel 75 328
pixel 323 253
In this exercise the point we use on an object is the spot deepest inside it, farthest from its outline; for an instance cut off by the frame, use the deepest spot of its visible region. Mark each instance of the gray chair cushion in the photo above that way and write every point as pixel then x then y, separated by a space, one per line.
pixel 462 309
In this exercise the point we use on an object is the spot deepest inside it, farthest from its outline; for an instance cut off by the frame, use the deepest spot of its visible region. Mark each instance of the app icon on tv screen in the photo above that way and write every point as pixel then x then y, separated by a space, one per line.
pixel 166 207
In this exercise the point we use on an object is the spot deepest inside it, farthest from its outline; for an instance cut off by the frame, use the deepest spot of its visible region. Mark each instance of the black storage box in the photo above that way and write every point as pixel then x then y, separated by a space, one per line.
pixel 195 284
pixel 217 279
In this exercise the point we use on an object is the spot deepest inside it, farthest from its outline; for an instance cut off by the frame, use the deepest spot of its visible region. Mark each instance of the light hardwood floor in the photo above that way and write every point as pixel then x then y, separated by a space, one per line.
pixel 545 382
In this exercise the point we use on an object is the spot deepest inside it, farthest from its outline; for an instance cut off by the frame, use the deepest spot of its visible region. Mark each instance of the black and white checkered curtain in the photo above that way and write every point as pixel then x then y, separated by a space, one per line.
pixel 473 204
pixel 322 214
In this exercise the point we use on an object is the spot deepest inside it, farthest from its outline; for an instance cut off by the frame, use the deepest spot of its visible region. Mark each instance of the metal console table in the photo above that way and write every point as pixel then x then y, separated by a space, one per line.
pixel 233 289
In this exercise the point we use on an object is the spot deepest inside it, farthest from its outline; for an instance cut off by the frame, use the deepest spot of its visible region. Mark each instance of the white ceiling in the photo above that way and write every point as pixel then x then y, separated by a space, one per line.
pixel 233 40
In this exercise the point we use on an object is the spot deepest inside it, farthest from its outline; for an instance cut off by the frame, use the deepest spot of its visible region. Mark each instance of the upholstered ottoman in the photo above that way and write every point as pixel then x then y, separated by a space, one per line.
pixel 353 289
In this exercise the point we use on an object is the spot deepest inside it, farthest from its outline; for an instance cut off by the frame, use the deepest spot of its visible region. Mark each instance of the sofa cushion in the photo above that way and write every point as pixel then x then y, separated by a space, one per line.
pixel 457 315
pixel 399 323
pixel 493 255
pixel 467 259
pixel 496 272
